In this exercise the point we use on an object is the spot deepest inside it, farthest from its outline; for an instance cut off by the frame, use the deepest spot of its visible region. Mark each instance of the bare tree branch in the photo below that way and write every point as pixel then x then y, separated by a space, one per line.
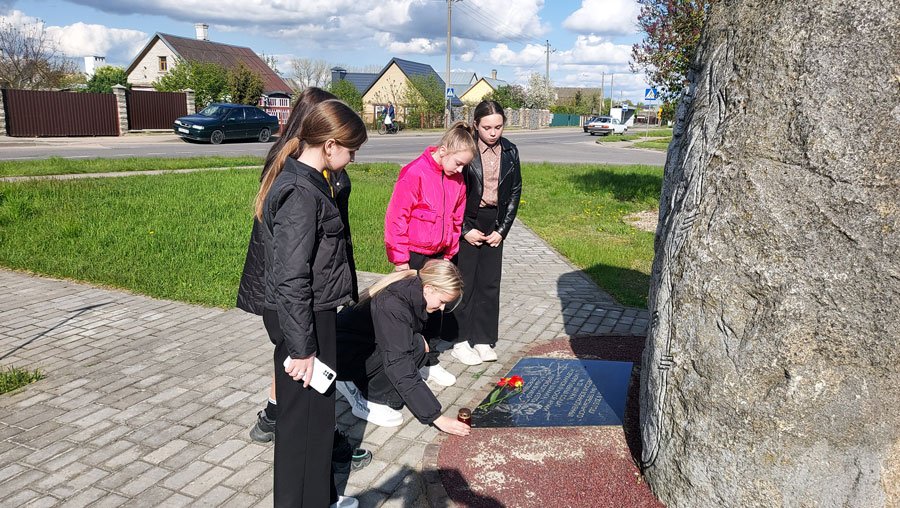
pixel 30 59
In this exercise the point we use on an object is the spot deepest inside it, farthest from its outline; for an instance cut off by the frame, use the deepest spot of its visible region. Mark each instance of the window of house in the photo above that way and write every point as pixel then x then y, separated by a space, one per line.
pixel 163 65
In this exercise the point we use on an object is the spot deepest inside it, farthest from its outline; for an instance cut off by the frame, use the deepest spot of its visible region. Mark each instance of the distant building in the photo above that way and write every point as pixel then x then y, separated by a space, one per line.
pixel 481 88
pixel 162 53
pixel 92 63
pixel 360 80
pixel 589 97
pixel 392 85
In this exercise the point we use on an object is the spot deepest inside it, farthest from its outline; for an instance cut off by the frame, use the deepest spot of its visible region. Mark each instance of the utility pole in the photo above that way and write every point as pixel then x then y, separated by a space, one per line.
pixel 611 76
pixel 447 100
pixel 602 85
pixel 548 63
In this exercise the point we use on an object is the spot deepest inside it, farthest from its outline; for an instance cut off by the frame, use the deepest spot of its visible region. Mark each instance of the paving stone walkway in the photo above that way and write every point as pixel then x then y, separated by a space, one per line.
pixel 149 402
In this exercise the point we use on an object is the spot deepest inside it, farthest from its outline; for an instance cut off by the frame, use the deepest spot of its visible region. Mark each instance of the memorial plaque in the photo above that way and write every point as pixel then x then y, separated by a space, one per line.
pixel 562 393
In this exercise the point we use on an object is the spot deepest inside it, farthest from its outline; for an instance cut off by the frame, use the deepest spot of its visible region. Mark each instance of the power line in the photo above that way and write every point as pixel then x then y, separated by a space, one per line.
pixel 502 29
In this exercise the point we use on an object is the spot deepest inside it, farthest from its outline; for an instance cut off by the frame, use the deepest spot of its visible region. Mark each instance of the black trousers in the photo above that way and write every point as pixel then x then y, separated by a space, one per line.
pixel 376 386
pixel 434 326
pixel 478 316
pixel 305 431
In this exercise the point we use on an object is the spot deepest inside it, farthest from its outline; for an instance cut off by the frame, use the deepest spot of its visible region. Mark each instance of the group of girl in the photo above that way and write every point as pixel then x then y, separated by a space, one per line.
pixel 444 229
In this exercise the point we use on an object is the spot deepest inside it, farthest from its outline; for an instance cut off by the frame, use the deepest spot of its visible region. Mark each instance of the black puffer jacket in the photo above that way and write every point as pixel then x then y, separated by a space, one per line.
pixel 389 327
pixel 306 254
pixel 252 289
pixel 509 190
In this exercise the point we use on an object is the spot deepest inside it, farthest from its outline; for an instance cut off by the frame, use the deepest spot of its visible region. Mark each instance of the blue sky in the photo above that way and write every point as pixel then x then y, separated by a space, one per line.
pixel 588 38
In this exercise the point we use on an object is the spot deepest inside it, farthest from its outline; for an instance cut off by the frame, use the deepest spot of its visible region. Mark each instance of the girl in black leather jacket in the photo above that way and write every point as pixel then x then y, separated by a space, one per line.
pixel 493 189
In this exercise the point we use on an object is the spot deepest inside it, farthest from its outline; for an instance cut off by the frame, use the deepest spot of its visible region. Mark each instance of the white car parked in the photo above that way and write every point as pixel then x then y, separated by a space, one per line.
pixel 605 125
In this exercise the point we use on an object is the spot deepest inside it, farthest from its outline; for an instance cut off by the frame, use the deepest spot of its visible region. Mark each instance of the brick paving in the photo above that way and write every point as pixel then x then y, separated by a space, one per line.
pixel 149 402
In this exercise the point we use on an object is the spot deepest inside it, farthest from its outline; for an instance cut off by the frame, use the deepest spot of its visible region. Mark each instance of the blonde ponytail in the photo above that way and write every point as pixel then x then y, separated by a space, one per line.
pixel 437 273
pixel 370 292
pixel 459 138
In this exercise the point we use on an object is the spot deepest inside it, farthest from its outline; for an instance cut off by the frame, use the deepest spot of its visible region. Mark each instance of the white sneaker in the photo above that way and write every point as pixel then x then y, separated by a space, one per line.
pixel 486 352
pixel 464 353
pixel 437 374
pixel 345 502
pixel 379 414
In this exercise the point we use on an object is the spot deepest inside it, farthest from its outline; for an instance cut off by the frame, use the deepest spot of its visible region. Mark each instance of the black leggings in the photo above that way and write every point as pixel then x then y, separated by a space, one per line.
pixel 305 431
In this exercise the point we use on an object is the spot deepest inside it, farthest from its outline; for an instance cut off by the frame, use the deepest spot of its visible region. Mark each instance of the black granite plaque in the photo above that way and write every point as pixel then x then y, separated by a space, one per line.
pixel 562 393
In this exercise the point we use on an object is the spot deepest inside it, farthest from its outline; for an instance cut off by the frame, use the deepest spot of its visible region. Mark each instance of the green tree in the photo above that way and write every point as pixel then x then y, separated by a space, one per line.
pixel 209 81
pixel 345 91
pixel 105 77
pixel 426 97
pixel 244 85
pixel 671 30
pixel 508 96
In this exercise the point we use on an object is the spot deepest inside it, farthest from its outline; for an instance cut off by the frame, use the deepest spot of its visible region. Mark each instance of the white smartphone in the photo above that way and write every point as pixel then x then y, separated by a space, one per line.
pixel 322 375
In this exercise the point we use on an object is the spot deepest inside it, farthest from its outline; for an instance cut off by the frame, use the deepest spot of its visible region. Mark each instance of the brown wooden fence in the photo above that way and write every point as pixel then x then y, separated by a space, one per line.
pixel 34 113
pixel 154 110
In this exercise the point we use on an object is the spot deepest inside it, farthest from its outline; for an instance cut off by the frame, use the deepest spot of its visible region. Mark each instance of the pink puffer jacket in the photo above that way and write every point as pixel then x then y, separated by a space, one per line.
pixel 425 212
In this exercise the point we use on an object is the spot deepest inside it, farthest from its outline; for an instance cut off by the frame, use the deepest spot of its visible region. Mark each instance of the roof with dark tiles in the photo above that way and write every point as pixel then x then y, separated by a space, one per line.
pixel 225 55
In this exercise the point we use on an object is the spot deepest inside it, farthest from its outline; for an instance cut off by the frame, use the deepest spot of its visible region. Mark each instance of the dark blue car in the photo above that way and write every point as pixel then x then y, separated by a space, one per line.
pixel 220 121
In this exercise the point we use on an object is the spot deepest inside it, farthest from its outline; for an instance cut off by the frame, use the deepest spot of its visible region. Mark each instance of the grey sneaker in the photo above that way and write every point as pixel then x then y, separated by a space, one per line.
pixel 263 430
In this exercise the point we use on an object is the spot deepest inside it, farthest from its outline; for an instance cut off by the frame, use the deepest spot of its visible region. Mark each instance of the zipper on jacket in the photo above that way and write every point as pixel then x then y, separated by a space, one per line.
pixel 443 208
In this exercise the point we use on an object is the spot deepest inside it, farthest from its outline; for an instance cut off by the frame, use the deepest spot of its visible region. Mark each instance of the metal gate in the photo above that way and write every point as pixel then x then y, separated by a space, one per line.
pixel 562 119
pixel 154 110
pixel 34 113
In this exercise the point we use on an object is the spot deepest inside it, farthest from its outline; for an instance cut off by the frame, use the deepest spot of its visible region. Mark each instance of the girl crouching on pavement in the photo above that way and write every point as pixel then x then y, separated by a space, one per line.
pixel 381 348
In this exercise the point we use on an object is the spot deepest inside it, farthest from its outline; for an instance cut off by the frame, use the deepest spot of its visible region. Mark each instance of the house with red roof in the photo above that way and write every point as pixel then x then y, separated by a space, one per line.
pixel 163 51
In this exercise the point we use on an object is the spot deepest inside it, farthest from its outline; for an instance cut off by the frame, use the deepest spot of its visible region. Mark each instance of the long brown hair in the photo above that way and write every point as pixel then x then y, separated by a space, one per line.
pixel 305 101
pixel 437 273
pixel 330 119
pixel 487 108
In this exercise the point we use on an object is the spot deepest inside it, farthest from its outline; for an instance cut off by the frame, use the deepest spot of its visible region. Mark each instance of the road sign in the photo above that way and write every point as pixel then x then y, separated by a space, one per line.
pixel 650 94
pixel 450 93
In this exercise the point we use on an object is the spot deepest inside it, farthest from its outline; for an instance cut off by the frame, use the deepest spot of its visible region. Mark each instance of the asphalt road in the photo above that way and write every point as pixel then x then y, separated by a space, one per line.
pixel 560 145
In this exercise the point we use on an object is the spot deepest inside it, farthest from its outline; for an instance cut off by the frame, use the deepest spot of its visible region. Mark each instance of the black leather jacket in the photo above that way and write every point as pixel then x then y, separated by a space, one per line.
pixel 509 190
pixel 308 271
pixel 252 289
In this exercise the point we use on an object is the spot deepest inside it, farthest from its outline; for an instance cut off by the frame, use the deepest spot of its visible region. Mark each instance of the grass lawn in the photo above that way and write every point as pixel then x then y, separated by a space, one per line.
pixel 61 166
pixel 578 209
pixel 655 144
pixel 184 236
pixel 636 134
pixel 14 377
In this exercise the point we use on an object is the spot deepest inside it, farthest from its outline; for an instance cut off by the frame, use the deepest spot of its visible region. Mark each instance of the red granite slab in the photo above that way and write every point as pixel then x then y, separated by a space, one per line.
pixel 559 466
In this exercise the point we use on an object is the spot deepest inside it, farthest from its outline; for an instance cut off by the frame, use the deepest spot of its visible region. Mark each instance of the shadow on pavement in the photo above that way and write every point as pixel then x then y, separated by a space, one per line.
pixel 74 314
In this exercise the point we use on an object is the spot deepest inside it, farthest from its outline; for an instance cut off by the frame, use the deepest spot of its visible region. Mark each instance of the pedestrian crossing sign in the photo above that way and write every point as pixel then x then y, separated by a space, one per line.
pixel 650 94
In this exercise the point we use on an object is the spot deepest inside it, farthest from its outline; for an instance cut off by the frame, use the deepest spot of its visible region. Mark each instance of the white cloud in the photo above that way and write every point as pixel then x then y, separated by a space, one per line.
pixel 415 26
pixel 530 55
pixel 416 45
pixel 608 17
pixel 116 44
pixel 594 50
pixel 80 39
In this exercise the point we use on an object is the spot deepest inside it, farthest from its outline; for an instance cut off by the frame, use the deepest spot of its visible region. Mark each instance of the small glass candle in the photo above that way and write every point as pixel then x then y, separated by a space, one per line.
pixel 465 416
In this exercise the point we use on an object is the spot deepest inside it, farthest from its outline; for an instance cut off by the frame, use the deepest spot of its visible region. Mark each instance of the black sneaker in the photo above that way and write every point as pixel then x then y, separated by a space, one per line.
pixel 263 430
pixel 341 451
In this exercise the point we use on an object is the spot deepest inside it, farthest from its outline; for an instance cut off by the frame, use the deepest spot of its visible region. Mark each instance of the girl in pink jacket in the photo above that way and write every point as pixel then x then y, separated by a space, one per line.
pixel 424 219
pixel 424 216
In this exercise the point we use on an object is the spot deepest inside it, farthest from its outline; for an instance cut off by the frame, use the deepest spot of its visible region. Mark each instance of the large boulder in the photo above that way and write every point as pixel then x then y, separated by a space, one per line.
pixel 772 369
